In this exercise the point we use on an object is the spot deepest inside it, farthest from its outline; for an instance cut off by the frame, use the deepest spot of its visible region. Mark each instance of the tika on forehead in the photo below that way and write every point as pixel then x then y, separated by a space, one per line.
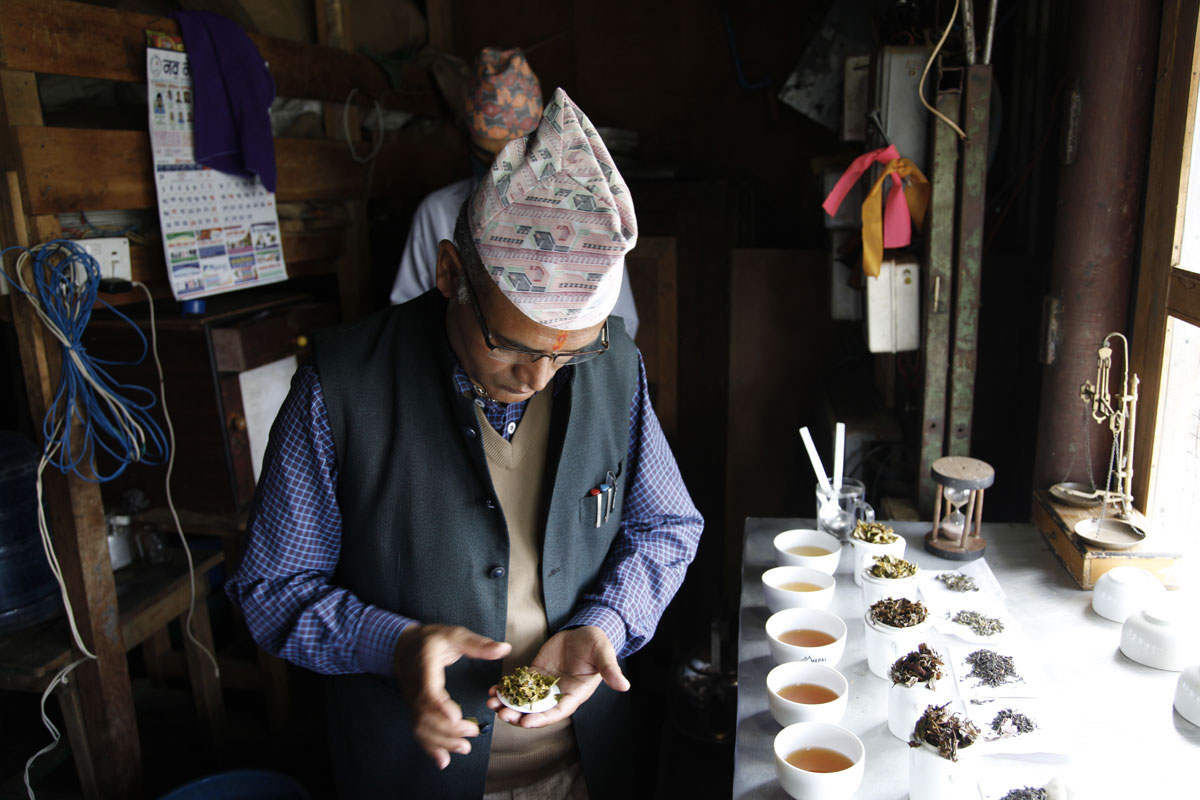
pixel 553 220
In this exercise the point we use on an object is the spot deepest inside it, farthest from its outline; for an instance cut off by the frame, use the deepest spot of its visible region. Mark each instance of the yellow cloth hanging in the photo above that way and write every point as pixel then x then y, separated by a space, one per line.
pixel 916 196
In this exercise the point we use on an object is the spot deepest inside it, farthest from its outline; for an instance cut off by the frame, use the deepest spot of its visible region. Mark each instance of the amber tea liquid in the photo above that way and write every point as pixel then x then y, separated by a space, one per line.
pixel 819 759
pixel 809 550
pixel 799 586
pixel 806 637
pixel 808 693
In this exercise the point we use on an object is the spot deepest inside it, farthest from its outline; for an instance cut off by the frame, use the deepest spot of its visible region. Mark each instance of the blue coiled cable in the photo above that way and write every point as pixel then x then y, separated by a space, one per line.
pixel 113 416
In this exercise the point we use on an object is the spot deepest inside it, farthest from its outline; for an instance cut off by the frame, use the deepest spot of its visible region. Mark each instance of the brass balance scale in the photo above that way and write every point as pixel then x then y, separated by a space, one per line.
pixel 1116 532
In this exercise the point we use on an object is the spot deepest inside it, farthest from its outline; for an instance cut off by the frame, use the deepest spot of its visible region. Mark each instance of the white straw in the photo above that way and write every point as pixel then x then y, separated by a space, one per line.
pixel 839 451
pixel 822 478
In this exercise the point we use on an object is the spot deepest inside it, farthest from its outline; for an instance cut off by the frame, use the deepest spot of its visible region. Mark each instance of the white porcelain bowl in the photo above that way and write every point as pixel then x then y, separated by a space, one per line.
pixel 1164 634
pixel 804 785
pixel 779 598
pixel 1187 694
pixel 789 712
pixel 885 644
pixel 826 563
pixel 791 619
pixel 875 589
pixel 865 552
pixel 1123 591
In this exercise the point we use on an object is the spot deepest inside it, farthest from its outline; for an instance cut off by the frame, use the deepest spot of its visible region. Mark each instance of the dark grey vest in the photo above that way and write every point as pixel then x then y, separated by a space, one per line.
pixel 422 535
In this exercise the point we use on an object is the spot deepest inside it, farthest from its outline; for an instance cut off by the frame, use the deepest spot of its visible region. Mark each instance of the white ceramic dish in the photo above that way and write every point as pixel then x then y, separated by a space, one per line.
pixel 804 785
pixel 545 704
pixel 791 619
pixel 799 537
pixel 789 712
pixel 865 552
pixel 885 644
pixel 1123 591
pixel 875 589
pixel 1162 635
pixel 778 598
pixel 1187 694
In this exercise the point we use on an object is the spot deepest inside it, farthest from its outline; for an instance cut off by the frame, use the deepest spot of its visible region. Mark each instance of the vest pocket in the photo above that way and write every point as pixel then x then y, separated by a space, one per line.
pixel 601 504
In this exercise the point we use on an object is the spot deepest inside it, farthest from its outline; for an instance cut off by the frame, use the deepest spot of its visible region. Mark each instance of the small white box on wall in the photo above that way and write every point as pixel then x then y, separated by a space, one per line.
pixel 894 307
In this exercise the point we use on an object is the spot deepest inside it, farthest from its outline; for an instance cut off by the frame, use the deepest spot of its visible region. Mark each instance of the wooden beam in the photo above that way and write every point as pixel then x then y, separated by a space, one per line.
pixel 87 41
pixel 63 173
pixel 1162 227
pixel 1183 296
pixel 76 517
pixel 439 15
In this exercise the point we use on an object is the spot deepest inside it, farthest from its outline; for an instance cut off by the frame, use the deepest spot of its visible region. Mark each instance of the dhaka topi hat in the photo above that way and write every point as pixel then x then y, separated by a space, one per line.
pixel 504 99
pixel 552 221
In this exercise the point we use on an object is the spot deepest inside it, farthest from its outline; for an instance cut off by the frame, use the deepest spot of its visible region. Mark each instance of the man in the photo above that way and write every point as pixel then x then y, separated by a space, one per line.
pixel 503 101
pixel 476 465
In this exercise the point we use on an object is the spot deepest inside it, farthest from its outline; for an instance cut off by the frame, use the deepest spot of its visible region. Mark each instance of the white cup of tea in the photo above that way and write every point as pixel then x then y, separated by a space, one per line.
pixel 832 761
pixel 808 548
pixel 806 634
pixel 801 691
pixel 797 587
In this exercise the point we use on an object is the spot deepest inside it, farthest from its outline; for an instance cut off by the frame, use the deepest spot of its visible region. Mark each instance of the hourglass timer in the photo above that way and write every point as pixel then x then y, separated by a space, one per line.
pixel 960 482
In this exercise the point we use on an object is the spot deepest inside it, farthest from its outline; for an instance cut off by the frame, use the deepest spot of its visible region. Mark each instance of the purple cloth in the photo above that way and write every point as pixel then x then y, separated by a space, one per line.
pixel 285 585
pixel 233 91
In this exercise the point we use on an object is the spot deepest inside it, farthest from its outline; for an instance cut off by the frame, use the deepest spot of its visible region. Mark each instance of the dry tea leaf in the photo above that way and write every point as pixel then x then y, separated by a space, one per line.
pixel 957 582
pixel 1027 793
pixel 892 567
pixel 525 686
pixel 922 665
pixel 981 625
pixel 873 532
pixel 992 668
pixel 947 732
pixel 899 612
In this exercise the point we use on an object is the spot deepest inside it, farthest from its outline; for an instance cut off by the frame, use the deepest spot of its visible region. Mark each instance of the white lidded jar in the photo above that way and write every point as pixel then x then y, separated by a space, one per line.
pixel 886 643
pixel 906 704
pixel 875 588
pixel 864 553
pixel 931 776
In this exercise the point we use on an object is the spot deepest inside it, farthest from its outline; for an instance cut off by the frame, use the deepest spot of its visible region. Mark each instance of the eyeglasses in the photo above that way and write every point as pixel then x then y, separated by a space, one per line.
pixel 520 355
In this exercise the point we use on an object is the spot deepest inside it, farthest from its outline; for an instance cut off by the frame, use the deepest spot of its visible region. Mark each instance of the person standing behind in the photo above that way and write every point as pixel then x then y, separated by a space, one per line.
pixel 503 101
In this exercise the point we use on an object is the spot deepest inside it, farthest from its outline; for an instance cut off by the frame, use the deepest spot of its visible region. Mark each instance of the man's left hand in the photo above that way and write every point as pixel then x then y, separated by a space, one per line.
pixel 580 658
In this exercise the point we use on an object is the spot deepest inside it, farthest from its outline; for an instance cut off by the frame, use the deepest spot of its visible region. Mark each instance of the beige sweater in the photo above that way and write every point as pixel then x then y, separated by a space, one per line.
pixel 520 756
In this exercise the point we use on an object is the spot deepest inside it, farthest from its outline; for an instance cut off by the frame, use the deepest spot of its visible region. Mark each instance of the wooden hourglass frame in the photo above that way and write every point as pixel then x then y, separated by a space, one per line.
pixel 964 474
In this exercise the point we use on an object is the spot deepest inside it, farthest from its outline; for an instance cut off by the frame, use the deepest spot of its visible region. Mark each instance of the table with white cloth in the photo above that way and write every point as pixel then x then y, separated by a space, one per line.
pixel 1112 733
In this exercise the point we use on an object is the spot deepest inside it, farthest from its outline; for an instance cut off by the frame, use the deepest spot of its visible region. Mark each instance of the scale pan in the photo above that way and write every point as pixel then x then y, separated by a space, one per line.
pixel 1075 494
pixel 1114 534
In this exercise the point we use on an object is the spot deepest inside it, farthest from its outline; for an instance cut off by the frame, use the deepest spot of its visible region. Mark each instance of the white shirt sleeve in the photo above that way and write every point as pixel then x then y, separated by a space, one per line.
pixel 625 307
pixel 433 221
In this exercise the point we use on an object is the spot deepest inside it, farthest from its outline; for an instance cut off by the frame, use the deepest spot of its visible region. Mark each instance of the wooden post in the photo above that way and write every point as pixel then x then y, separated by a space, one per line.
pixel 937 511
pixel 76 519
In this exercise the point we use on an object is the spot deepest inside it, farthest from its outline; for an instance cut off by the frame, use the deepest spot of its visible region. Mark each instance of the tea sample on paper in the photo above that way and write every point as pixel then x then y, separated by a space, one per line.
pixel 799 586
pixel 808 693
pixel 809 550
pixel 819 759
pixel 806 637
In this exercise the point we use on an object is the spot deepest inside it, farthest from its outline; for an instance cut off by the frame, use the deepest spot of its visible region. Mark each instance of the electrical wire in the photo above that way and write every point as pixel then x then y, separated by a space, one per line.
pixel 187 551
pixel 65 289
pixel 928 64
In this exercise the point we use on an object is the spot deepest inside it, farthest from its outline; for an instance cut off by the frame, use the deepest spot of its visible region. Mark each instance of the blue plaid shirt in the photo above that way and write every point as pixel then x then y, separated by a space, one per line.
pixel 285 587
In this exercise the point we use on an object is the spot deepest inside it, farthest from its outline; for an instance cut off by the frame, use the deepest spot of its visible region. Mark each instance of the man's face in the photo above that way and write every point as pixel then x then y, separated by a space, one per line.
pixel 504 382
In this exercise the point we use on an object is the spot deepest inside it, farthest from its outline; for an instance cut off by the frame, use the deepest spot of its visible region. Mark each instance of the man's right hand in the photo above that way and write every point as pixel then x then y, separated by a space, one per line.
pixel 422 654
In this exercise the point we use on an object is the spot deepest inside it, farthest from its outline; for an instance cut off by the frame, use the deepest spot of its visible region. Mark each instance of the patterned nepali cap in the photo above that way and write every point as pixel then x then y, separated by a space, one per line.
pixel 504 99
pixel 553 219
